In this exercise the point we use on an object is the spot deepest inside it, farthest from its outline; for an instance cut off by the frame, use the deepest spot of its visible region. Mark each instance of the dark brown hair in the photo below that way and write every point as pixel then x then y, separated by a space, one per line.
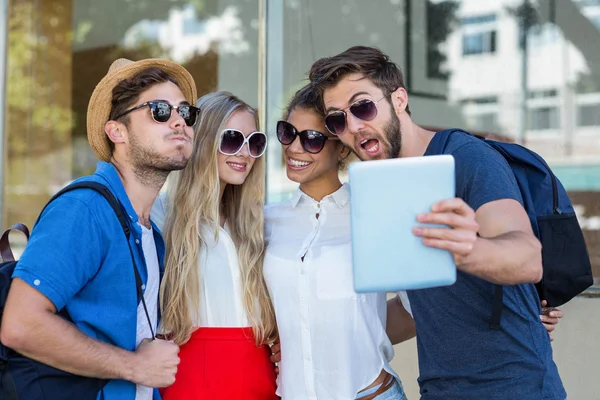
pixel 127 92
pixel 307 98
pixel 371 62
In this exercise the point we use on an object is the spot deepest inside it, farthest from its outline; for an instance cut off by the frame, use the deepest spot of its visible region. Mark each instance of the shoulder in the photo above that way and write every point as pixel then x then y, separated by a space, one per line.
pixel 274 215
pixel 482 173
pixel 274 211
pixel 78 206
pixel 471 149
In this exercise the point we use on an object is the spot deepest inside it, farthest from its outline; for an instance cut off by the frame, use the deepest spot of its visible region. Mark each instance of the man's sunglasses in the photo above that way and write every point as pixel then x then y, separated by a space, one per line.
pixel 232 142
pixel 364 109
pixel 311 141
pixel 161 111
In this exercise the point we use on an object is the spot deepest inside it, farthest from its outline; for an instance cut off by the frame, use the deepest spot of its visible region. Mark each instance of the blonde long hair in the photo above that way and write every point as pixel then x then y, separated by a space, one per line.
pixel 193 201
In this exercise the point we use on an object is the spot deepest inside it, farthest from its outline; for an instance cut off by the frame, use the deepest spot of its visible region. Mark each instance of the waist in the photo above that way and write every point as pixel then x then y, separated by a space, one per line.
pixel 383 377
pixel 203 333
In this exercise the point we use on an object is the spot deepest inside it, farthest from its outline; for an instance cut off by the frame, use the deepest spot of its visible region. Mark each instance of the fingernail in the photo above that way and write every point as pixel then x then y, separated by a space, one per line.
pixel 418 231
pixel 421 217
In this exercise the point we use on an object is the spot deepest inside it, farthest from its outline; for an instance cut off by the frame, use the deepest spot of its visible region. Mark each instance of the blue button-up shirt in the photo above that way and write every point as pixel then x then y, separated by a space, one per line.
pixel 79 259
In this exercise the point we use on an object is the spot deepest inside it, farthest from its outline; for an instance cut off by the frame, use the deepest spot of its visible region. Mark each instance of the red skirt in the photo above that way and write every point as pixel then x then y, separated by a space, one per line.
pixel 223 363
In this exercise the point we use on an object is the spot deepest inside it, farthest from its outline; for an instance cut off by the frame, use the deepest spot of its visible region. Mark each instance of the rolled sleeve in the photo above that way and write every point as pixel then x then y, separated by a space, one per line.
pixel 64 252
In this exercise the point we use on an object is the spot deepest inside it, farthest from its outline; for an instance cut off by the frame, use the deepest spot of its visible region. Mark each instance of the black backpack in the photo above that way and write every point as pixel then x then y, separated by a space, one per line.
pixel 22 378
pixel 565 259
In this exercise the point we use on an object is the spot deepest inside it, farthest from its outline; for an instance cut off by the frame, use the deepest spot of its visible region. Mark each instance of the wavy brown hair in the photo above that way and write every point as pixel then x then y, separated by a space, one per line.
pixel 371 62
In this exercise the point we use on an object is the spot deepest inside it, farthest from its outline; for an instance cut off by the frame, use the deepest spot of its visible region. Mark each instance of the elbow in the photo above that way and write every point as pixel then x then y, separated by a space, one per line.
pixel 13 334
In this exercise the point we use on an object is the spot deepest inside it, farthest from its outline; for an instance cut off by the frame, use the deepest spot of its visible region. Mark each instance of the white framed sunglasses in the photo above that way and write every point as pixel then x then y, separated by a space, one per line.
pixel 232 141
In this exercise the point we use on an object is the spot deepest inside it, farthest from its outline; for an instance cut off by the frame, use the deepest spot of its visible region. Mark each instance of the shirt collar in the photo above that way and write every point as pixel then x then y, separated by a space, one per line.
pixel 340 196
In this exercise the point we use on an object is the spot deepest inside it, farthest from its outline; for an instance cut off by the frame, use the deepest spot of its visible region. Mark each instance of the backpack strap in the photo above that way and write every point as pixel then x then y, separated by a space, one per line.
pixel 123 220
pixel 8 382
pixel 440 140
pixel 494 322
pixel 5 250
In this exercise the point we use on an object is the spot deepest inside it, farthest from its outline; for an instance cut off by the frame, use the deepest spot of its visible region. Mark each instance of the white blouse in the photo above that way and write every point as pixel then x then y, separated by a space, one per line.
pixel 219 275
pixel 333 340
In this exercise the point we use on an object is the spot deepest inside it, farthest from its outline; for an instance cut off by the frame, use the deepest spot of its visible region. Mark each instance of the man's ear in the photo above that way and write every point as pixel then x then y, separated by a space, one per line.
pixel 399 100
pixel 115 131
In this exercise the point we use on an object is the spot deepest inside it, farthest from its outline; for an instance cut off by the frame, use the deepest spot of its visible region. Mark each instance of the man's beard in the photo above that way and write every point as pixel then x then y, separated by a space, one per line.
pixel 391 140
pixel 149 166
pixel 393 136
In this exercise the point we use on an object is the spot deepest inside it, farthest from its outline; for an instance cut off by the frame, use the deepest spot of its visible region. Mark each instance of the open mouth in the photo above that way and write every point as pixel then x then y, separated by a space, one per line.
pixel 371 146
pixel 297 164
pixel 240 167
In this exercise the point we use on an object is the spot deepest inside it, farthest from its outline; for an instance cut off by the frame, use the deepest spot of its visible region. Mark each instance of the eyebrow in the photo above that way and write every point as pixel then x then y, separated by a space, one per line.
pixel 352 99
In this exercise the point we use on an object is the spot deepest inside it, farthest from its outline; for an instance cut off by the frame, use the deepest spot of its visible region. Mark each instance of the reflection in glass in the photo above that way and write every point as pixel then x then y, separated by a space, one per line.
pixel 58 51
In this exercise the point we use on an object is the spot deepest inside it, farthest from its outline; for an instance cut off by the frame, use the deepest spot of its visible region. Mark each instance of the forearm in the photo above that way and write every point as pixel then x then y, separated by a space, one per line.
pixel 50 339
pixel 400 325
pixel 509 259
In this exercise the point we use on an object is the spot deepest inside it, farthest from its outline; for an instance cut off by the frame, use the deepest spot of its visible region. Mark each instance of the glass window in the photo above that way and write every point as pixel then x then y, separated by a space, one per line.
pixel 479 43
pixel 588 115
pixel 543 118
pixel 479 34
pixel 59 50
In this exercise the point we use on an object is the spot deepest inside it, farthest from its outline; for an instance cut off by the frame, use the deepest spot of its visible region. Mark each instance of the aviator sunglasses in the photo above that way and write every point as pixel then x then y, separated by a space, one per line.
pixel 232 142
pixel 311 141
pixel 364 109
pixel 161 111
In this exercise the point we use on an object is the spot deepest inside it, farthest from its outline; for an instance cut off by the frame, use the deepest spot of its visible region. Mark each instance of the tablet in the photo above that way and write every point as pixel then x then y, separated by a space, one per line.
pixel 385 198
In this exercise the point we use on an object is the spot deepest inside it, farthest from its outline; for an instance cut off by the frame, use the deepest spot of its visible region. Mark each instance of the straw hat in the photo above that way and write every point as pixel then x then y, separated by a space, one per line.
pixel 100 102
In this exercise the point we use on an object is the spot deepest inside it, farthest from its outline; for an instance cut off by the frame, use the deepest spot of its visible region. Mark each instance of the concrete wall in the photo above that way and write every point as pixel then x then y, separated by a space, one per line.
pixel 576 352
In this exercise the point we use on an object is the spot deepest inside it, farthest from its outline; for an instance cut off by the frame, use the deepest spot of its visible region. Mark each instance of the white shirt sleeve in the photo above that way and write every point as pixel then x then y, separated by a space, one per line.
pixel 404 299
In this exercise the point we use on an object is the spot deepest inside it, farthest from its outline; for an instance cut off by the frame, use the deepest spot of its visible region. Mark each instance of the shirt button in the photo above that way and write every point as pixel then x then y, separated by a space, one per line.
pixel 143 287
pixel 37 282
pixel 137 241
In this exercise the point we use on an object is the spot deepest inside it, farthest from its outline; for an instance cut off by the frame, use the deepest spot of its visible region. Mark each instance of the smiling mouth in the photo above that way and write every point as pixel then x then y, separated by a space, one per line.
pixel 370 146
pixel 241 167
pixel 297 164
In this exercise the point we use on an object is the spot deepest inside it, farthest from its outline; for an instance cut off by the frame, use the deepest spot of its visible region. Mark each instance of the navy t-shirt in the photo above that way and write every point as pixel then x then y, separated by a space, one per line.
pixel 460 357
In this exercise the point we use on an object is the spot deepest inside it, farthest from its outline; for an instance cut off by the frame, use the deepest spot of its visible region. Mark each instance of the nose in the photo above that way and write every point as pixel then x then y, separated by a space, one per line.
pixel 353 124
pixel 296 147
pixel 176 121
pixel 244 151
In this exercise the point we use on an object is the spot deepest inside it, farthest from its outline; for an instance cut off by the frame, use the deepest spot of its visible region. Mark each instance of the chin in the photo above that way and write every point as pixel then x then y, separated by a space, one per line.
pixel 235 181
pixel 298 176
